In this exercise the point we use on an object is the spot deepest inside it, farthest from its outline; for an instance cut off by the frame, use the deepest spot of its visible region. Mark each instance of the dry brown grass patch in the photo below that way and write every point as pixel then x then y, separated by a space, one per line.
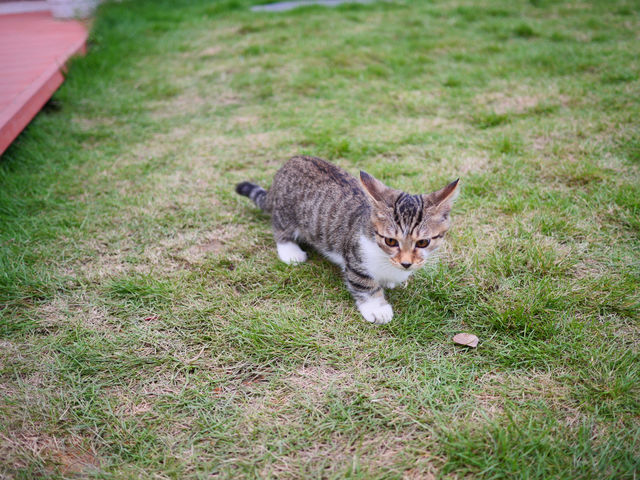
pixel 373 452
pixel 402 126
pixel 316 380
pixel 140 395
pixel 29 377
pixel 163 257
pixel 194 247
pixel 494 390
pixel 630 336
pixel 63 455
pixel 470 163
pixel 502 103
pixel 241 121
pixel 518 99
pixel 307 383
pixel 287 401
pixel 189 102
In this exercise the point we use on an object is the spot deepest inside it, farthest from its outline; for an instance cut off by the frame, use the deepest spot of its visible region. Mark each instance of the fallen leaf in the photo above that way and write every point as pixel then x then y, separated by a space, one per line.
pixel 466 339
pixel 152 317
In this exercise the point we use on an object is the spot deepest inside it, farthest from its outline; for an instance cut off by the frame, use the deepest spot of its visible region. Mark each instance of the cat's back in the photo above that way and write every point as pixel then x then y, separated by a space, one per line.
pixel 318 197
pixel 304 176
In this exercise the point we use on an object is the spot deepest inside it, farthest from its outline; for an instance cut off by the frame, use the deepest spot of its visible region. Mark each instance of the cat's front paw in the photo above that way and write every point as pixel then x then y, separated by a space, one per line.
pixel 290 253
pixel 376 310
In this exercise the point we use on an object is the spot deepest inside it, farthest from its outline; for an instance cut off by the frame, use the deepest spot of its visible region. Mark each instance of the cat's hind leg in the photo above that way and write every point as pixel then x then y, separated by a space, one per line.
pixel 288 250
pixel 290 253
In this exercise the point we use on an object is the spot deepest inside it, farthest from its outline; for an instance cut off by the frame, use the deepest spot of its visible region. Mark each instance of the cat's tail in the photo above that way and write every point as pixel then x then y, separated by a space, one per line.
pixel 256 194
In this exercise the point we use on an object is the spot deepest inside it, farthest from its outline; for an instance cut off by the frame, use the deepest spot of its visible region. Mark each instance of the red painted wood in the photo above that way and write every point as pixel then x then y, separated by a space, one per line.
pixel 34 48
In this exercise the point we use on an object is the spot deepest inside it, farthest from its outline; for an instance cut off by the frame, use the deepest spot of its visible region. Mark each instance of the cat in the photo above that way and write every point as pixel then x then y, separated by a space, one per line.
pixel 377 235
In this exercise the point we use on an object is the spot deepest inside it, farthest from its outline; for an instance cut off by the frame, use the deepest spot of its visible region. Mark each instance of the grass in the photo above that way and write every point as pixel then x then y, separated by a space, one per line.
pixel 148 330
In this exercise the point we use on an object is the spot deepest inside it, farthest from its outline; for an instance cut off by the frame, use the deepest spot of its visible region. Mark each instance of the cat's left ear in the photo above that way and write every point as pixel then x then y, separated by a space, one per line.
pixel 442 200
pixel 377 190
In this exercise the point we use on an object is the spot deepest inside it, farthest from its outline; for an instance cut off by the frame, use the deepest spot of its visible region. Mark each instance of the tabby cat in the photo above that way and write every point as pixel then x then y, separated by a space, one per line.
pixel 377 235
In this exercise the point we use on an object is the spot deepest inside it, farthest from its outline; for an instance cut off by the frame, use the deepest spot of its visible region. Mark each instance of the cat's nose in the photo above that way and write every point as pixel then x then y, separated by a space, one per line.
pixel 405 265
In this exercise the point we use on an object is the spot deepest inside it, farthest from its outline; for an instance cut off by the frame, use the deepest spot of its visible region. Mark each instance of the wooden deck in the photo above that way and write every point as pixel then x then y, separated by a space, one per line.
pixel 34 48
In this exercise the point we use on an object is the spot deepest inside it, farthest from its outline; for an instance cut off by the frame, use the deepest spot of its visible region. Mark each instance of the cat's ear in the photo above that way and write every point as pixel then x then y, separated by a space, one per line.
pixel 377 190
pixel 447 194
pixel 442 200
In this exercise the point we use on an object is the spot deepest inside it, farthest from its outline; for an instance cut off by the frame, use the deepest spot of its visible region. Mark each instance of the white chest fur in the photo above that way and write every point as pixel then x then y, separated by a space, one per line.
pixel 335 258
pixel 378 265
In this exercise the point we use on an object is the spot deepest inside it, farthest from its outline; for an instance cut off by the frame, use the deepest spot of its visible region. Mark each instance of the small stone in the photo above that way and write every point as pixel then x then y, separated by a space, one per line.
pixel 466 339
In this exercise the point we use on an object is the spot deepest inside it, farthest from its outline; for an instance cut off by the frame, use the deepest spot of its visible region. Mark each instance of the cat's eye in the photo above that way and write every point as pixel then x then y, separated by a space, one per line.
pixel 391 242
pixel 423 243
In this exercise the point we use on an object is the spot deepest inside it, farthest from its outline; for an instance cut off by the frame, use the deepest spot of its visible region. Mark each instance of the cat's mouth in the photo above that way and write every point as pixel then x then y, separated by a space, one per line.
pixel 410 268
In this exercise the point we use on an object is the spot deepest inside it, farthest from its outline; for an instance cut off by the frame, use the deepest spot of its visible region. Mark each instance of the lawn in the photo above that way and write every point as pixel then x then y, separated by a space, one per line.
pixel 148 330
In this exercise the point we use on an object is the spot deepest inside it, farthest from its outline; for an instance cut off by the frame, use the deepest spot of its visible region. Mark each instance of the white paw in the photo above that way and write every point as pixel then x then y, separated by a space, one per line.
pixel 376 310
pixel 290 253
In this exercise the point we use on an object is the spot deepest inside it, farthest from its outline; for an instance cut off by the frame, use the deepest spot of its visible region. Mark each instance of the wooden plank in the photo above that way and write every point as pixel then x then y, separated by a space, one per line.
pixel 34 49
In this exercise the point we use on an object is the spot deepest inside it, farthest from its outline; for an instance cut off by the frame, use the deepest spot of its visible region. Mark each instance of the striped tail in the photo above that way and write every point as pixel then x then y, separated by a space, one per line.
pixel 256 193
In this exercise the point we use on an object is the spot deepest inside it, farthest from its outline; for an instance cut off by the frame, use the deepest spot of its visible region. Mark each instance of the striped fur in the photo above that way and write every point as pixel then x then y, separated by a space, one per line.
pixel 371 231
pixel 255 193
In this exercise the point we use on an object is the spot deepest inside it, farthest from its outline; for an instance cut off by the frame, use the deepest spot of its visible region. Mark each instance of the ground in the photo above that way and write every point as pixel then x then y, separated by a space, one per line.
pixel 148 329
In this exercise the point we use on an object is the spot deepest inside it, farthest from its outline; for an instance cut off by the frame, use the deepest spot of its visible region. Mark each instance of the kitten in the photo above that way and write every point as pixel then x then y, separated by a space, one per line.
pixel 377 235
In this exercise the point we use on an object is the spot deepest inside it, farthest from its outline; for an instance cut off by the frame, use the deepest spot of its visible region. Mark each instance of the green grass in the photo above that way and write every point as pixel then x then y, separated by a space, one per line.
pixel 147 329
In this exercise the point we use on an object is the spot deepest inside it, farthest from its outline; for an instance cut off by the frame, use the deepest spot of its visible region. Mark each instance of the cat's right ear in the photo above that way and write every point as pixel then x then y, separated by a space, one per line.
pixel 376 190
pixel 442 200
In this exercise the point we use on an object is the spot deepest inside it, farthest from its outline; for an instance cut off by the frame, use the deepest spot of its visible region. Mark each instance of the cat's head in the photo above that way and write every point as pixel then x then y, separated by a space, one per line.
pixel 408 228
